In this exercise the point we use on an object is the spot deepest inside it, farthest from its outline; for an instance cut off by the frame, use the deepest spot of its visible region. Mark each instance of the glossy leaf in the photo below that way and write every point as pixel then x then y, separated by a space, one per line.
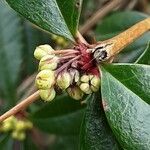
pixel 61 116
pixel 145 57
pixel 95 131
pixel 57 16
pixel 10 51
pixel 117 23
pixel 125 103
pixel 135 77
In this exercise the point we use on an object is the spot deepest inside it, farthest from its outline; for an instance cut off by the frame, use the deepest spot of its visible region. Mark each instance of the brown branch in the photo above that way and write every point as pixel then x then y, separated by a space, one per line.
pixel 116 44
pixel 80 38
pixel 125 38
pixel 99 15
pixel 21 106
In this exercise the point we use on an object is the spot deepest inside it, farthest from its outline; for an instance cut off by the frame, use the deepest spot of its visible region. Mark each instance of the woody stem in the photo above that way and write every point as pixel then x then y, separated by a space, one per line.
pixel 119 42
pixel 21 106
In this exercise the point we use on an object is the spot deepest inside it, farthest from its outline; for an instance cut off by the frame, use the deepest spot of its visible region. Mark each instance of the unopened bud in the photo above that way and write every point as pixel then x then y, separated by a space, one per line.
pixel 74 73
pixel 48 62
pixel 11 119
pixel 47 95
pixel 85 87
pixel 85 78
pixel 54 37
pixel 95 83
pixel 59 40
pixel 28 124
pixel 42 50
pixel 64 80
pixel 18 135
pixel 20 125
pixel 8 124
pixel 75 92
pixel 6 127
pixel 45 79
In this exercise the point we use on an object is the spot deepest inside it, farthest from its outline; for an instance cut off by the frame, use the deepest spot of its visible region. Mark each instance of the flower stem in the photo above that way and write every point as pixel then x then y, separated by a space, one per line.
pixel 64 51
pixel 67 57
pixel 67 64
pixel 21 106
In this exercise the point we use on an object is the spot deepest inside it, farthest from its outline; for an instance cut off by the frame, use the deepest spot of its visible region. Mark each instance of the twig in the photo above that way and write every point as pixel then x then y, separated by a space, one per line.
pixel 99 15
pixel 80 38
pixel 22 105
pixel 113 46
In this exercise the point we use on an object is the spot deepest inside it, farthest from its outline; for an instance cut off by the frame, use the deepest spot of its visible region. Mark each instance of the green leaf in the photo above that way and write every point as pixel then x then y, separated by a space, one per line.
pixel 65 143
pixel 61 116
pixel 57 16
pixel 5 142
pixel 10 51
pixel 145 57
pixel 95 131
pixel 117 23
pixel 135 77
pixel 125 106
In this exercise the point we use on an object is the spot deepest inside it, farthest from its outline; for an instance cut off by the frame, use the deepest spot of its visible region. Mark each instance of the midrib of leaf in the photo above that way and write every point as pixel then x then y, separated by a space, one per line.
pixel 129 89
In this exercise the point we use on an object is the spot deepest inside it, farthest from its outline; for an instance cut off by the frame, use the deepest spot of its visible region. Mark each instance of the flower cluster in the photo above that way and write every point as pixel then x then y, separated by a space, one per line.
pixel 16 126
pixel 72 70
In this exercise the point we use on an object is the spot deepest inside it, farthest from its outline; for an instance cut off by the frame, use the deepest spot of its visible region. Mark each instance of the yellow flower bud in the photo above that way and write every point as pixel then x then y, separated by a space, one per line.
pixel 75 92
pixel 45 79
pixel 64 80
pixel 85 78
pixel 95 83
pixel 20 125
pixel 8 124
pixel 6 127
pixel 18 135
pixel 47 95
pixel 28 124
pixel 85 87
pixel 60 41
pixel 54 37
pixel 48 62
pixel 42 50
